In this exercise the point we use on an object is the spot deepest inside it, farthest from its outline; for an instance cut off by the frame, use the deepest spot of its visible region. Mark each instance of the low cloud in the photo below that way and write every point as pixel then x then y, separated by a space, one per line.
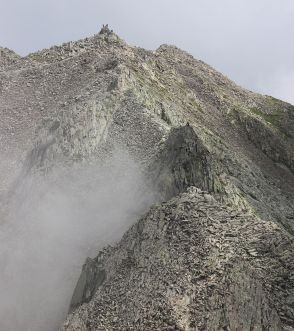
pixel 52 226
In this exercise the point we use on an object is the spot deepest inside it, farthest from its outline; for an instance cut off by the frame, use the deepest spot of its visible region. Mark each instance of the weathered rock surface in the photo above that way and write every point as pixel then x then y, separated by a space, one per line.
pixel 7 58
pixel 221 260
pixel 190 264
pixel 183 161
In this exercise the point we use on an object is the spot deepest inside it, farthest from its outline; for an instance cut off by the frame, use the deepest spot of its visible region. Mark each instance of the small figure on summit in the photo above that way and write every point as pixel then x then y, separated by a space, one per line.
pixel 105 29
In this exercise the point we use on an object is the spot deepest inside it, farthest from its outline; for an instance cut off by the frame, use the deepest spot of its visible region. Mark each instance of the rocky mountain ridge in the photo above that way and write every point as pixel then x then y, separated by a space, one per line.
pixel 189 264
pixel 187 125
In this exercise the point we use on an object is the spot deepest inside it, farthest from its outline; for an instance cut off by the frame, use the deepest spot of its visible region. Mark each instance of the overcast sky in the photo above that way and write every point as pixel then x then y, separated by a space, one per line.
pixel 251 41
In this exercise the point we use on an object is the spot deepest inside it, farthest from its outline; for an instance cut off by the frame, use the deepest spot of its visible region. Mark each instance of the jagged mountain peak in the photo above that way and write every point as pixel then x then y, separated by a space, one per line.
pixel 184 124
pixel 103 39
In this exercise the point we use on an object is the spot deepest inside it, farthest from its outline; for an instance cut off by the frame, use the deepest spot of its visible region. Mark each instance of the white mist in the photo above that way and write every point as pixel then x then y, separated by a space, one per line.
pixel 53 224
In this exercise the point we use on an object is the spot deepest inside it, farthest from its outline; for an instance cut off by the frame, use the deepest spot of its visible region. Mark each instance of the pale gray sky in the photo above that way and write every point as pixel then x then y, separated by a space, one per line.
pixel 251 41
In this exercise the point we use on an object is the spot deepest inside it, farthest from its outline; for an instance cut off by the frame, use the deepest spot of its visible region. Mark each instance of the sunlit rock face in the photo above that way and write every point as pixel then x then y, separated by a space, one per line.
pixel 92 133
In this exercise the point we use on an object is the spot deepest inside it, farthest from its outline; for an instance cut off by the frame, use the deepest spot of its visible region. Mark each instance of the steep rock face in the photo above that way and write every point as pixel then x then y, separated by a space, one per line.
pixel 184 161
pixel 91 278
pixel 190 264
pixel 271 130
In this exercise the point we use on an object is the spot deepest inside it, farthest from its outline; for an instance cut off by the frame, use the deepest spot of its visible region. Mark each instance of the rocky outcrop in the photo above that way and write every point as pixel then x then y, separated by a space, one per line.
pixel 7 58
pixel 91 278
pixel 184 161
pixel 190 264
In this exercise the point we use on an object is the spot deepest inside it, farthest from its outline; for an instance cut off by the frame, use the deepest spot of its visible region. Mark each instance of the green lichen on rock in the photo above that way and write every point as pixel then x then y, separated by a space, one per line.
pixel 272 118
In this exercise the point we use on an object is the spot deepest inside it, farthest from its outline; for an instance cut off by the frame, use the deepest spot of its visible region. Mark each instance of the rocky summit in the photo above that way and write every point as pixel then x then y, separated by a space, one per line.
pixel 216 250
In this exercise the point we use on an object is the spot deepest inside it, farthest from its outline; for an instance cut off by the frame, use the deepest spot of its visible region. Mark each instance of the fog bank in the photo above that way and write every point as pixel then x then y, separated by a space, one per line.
pixel 53 224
